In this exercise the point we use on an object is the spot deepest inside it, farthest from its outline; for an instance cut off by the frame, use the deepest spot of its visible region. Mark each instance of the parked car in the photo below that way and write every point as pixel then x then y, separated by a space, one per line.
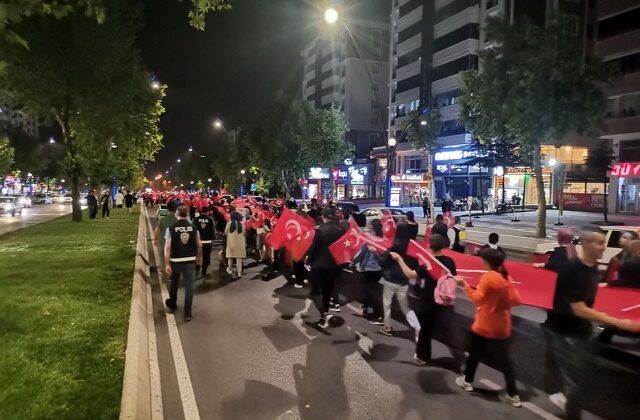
pixel 42 198
pixel 347 207
pixel 24 200
pixel 10 205
pixel 64 199
pixel 377 212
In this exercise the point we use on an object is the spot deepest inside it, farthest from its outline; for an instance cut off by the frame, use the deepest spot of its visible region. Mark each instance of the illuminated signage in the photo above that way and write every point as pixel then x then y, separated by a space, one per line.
pixel 357 174
pixel 625 169
pixel 409 178
pixel 454 155
pixel 318 173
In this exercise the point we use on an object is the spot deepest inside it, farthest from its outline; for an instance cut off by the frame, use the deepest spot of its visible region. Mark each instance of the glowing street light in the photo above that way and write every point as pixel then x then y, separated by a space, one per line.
pixel 553 162
pixel 217 124
pixel 179 160
pixel 243 172
pixel 331 15
pixel 392 142
pixel 52 140
pixel 191 183
pixel 208 179
pixel 191 148
pixel 62 181
pixel 423 122
pixel 155 85
pixel 114 146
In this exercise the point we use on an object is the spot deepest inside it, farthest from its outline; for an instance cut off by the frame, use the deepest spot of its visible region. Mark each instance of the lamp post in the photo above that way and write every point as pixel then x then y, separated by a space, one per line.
pixel 391 144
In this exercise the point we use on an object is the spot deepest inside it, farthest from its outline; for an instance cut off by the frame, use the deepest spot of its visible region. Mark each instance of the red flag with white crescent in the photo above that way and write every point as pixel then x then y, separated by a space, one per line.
pixel 448 219
pixel 289 227
pixel 299 246
pixel 345 248
pixel 434 267
pixel 388 225
pixel 382 244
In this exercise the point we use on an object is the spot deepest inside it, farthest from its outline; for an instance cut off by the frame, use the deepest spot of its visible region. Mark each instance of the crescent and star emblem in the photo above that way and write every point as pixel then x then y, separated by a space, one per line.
pixel 297 229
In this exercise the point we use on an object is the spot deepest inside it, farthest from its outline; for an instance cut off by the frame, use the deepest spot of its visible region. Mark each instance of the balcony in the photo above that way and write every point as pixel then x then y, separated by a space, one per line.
pixel 623 127
pixel 618 44
pixel 450 112
pixel 466 47
pixel 409 19
pixel 410 44
pixel 611 7
pixel 441 3
pixel 628 83
pixel 407 96
pixel 408 70
pixel 331 81
pixel 332 64
pixel 445 85
pixel 468 15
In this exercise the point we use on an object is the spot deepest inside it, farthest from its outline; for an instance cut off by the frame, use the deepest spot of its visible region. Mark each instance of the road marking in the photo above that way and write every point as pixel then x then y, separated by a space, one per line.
pixel 189 405
pixel 528 405
pixel 631 307
pixel 157 408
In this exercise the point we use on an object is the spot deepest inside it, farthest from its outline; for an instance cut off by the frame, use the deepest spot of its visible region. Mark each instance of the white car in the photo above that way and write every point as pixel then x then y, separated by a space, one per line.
pixel 24 201
pixel 613 243
pixel 377 212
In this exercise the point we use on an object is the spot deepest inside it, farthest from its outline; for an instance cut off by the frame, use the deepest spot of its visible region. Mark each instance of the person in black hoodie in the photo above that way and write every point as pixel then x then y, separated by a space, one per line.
pixel 324 270
pixel 395 282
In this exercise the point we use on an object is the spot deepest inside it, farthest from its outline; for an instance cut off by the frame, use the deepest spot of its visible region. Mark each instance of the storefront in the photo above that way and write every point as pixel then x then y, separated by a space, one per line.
pixel 625 184
pixel 521 182
pixel 353 182
pixel 319 185
pixel 455 179
pixel 410 188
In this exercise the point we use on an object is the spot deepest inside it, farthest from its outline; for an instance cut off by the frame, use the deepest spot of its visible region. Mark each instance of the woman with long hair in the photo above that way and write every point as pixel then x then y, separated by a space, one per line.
pixel 367 263
pixel 236 244
pixel 494 296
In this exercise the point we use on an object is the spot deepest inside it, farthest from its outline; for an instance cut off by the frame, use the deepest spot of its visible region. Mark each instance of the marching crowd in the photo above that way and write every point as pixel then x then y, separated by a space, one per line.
pixel 319 241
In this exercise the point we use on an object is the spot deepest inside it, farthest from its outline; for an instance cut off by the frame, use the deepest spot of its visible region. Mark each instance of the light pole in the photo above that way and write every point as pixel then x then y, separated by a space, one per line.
pixel 242 172
pixel 391 144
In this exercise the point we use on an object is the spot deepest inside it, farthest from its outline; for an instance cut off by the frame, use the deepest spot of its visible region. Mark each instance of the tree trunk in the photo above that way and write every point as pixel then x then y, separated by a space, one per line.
pixel 541 229
pixel 285 186
pixel 72 164
pixel 432 195
pixel 504 187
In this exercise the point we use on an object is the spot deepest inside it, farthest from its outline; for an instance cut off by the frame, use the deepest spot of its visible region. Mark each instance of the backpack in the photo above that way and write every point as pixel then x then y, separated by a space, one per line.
pixel 462 235
pixel 445 293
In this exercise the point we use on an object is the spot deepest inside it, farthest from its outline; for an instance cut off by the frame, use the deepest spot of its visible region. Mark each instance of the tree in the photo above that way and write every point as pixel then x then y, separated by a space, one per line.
pixel 422 129
pixel 85 76
pixel 598 163
pixel 533 86
pixel 6 156
pixel 290 137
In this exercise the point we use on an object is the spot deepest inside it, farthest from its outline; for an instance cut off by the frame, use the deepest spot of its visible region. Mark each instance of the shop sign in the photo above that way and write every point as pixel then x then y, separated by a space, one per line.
pixel 457 169
pixel 318 173
pixel 625 169
pixel 357 174
pixel 394 197
pixel 523 171
pixel 447 155
pixel 408 178
pixel 339 174
pixel 442 168
pixel 582 201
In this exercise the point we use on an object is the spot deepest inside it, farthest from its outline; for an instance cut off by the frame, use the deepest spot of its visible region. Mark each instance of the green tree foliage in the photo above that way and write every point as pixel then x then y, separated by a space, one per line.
pixel 6 156
pixel 290 137
pixel 598 164
pixel 534 87
pixel 88 78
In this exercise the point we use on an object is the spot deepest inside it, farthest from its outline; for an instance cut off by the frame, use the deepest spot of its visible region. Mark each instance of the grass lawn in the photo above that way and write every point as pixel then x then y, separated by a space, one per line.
pixel 65 290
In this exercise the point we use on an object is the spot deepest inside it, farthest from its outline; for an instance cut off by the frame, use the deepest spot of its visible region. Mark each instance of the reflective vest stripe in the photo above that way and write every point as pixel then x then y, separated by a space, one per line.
pixel 206 242
pixel 184 259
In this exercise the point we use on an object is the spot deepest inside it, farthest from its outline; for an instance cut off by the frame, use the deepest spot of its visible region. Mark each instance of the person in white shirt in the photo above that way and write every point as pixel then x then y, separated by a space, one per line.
pixel 119 199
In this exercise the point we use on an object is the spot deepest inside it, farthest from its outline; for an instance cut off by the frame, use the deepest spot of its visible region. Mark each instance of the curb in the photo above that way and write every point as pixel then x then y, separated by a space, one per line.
pixel 141 394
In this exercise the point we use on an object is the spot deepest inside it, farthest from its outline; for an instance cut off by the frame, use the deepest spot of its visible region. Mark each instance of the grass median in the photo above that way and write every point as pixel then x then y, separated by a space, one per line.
pixel 65 291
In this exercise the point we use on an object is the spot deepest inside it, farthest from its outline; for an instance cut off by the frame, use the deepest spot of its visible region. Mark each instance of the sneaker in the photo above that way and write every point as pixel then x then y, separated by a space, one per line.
pixel 187 318
pixel 170 308
pixel 559 400
pixel 305 281
pixel 324 322
pixel 335 307
pixel 230 271
pixel 377 321
pixel 418 360
pixel 513 401
pixel 293 276
pixel 464 384
pixel 298 286
pixel 388 331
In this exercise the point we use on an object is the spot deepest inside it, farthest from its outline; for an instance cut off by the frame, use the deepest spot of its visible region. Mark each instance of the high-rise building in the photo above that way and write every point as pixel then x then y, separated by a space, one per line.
pixel 433 41
pixel 618 43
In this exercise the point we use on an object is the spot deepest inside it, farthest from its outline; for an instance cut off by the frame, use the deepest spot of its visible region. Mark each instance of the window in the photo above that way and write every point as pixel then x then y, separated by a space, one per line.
pixel 413 164
pixel 409 58
pixel 470 31
pixel 410 83
pixel 627 64
pixel 410 32
pixel 401 111
pixel 454 67
pixel 409 7
pixel 453 8
pixel 447 98
pixel 619 24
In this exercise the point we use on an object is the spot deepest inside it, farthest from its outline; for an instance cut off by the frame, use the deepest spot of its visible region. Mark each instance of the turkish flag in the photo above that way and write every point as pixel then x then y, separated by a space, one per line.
pixel 290 226
pixel 380 243
pixel 249 224
pixel 345 248
pixel 449 219
pixel 434 267
pixel 299 246
pixel 388 225
pixel 239 203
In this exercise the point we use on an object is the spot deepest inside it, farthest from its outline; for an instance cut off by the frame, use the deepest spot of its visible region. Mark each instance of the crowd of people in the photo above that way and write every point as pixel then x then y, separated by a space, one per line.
pixel 247 226
pixel 106 202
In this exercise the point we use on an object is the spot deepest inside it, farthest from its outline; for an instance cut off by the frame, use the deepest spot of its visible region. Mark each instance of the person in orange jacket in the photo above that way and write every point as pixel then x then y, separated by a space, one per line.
pixel 494 296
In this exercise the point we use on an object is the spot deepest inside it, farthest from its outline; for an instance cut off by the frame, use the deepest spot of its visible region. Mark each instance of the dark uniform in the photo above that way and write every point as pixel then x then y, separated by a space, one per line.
pixel 183 255
pixel 206 229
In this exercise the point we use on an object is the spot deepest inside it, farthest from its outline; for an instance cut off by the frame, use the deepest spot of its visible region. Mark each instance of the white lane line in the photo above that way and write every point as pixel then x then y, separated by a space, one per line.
pixel 630 308
pixel 528 405
pixel 189 405
pixel 157 408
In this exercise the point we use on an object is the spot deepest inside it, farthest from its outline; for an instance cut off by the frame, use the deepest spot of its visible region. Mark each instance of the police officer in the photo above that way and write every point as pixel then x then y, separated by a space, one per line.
pixel 184 250
pixel 206 229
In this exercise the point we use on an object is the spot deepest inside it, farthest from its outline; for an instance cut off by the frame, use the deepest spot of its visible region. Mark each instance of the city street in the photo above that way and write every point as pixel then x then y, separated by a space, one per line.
pixel 251 352
pixel 33 216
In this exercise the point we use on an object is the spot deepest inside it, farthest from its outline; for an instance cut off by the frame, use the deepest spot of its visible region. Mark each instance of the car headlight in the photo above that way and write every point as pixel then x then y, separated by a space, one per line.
pixel 8 206
pixel 22 200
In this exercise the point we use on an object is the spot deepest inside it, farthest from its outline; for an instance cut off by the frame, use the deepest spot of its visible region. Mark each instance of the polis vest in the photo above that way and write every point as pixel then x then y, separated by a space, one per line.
pixel 205 226
pixel 184 244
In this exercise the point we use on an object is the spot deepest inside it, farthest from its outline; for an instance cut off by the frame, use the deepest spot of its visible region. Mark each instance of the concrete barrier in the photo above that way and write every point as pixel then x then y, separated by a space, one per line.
pixel 141 399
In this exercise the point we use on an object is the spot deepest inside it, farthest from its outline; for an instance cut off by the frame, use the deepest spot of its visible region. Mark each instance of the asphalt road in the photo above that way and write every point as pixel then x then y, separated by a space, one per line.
pixel 252 353
pixel 37 214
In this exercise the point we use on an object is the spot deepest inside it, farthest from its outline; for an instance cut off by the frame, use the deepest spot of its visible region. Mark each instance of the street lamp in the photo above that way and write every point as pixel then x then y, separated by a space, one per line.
pixel 217 124
pixel 191 148
pixel 114 146
pixel 52 140
pixel 392 142
pixel 331 15
pixel 243 172
pixel 423 122
pixel 155 85
pixel 208 179
pixel 179 160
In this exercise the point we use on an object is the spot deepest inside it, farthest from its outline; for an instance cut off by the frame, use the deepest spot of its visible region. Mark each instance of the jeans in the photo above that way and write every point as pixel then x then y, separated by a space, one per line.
pixel 570 355
pixel 188 272
pixel 322 285
pixel 427 317
pixel 299 271
pixel 481 347
pixel 206 257
pixel 400 292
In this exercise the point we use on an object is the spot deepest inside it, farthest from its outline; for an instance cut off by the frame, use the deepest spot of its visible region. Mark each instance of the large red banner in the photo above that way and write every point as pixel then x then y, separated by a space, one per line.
pixel 583 202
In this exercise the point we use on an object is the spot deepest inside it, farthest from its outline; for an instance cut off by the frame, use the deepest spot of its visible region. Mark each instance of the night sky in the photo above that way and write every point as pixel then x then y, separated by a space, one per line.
pixel 228 71
pixel 232 69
